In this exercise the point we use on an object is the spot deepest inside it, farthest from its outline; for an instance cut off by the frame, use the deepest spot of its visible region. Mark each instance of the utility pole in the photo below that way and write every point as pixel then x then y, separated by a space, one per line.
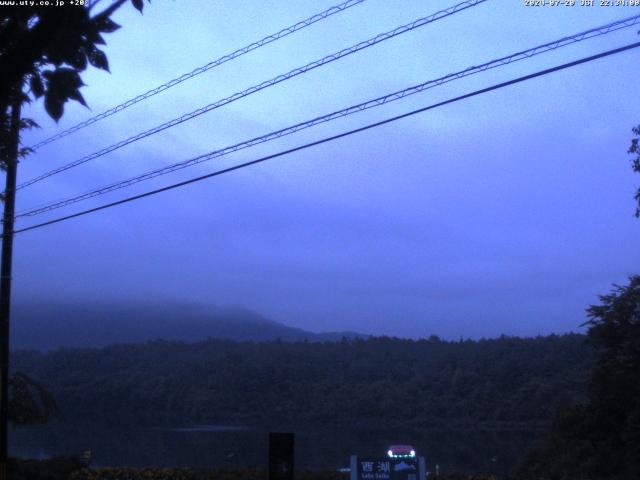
pixel 5 277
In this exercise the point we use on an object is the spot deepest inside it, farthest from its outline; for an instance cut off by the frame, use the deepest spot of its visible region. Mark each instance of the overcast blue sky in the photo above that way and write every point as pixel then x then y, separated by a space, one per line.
pixel 506 213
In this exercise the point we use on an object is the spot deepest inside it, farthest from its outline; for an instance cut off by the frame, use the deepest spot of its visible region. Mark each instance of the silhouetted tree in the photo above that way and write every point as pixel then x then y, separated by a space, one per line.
pixel 43 51
pixel 601 438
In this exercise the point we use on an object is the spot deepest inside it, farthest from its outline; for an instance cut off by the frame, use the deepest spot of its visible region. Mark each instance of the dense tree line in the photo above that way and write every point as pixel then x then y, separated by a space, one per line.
pixel 600 438
pixel 499 383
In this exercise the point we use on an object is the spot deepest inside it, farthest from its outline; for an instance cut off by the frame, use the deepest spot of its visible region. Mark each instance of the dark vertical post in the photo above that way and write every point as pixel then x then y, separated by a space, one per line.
pixel 281 452
pixel 353 467
pixel 5 279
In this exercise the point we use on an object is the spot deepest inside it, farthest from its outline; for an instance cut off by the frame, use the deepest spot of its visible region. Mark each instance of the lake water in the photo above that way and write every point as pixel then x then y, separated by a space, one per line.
pixel 201 446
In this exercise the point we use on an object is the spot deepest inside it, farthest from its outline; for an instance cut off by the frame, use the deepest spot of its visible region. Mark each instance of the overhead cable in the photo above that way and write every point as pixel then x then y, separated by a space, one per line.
pixel 261 86
pixel 525 54
pixel 335 137
pixel 214 63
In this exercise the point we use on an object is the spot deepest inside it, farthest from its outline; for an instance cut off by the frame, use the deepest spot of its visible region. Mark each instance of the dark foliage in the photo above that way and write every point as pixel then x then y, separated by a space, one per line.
pixel 634 149
pixel 501 383
pixel 28 401
pixel 63 468
pixel 600 439
pixel 194 474
pixel 59 468
pixel 223 474
pixel 45 49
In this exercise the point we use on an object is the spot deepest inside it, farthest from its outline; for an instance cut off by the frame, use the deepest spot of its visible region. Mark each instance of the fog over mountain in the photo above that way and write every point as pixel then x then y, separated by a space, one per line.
pixel 47 326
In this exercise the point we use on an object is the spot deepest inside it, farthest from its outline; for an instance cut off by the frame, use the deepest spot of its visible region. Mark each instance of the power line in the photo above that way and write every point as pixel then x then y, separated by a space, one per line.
pixel 214 63
pixel 268 83
pixel 525 54
pixel 335 137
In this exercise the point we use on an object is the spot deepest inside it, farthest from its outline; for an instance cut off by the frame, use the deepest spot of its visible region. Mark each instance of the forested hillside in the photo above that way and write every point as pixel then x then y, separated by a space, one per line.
pixel 505 382
pixel 48 326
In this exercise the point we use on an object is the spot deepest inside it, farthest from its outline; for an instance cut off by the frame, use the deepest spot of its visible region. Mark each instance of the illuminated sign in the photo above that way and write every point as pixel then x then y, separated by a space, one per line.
pixel 387 468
